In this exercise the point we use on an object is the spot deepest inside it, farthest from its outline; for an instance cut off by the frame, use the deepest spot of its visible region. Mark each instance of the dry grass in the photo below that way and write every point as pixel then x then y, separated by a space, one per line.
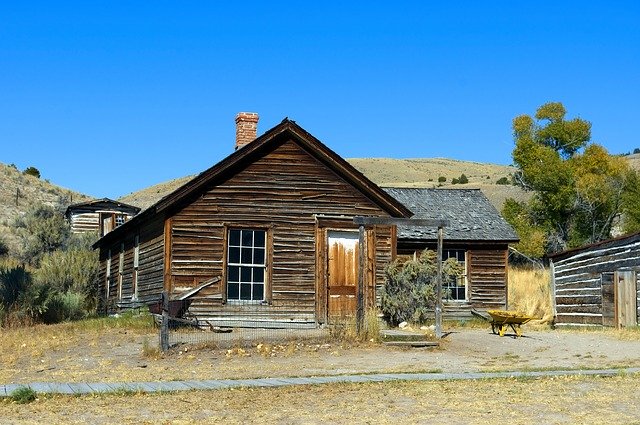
pixel 575 400
pixel 530 293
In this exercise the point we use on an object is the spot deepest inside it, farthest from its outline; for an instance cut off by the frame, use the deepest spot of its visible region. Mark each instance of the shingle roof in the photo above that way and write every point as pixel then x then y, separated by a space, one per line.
pixel 98 204
pixel 471 215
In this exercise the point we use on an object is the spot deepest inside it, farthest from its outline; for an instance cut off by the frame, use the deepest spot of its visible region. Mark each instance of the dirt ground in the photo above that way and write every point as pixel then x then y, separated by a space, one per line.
pixel 67 354
pixel 53 355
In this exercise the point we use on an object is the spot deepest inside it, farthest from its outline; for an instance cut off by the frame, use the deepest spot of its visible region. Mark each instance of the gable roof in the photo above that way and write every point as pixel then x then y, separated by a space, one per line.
pixel 470 214
pixel 286 130
pixel 104 204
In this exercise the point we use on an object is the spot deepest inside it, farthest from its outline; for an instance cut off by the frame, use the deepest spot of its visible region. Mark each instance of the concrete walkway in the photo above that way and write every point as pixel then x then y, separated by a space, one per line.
pixel 217 384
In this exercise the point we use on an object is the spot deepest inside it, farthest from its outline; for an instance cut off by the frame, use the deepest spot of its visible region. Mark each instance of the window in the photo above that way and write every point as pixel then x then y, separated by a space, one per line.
pixel 120 219
pixel 456 288
pixel 246 265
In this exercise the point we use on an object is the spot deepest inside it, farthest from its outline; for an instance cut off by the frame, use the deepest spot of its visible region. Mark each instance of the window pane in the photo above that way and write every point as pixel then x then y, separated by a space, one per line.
pixel 259 238
pixel 247 238
pixel 258 256
pixel 234 255
pixel 245 291
pixel 234 237
pixel 245 274
pixel 258 292
pixel 234 274
pixel 233 291
pixel 258 275
pixel 246 256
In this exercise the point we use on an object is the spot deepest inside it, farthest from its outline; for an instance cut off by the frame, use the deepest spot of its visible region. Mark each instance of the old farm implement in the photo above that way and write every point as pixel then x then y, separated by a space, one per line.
pixel 501 320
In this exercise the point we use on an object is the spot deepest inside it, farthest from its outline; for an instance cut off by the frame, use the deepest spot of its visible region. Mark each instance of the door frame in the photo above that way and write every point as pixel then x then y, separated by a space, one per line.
pixel 325 224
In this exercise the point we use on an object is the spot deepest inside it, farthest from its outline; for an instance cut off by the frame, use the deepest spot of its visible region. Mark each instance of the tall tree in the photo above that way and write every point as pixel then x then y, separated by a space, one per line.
pixel 577 186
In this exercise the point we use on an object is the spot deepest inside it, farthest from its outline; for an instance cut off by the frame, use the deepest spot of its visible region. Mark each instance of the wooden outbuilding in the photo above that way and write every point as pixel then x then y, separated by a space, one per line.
pixel 266 236
pixel 477 236
pixel 100 215
pixel 598 284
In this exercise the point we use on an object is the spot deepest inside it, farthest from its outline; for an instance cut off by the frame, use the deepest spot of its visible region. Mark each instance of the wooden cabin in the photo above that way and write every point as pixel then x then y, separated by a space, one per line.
pixel 477 236
pixel 100 215
pixel 263 238
pixel 598 284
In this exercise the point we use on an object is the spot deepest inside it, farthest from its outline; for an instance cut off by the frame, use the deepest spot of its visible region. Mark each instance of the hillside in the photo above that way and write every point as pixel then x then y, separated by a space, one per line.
pixel 19 191
pixel 391 172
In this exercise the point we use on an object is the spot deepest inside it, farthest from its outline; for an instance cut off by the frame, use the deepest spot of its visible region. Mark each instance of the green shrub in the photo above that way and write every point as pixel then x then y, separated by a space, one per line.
pixel 23 395
pixel 442 179
pixel 463 179
pixel 409 293
pixel 14 282
pixel 75 270
pixel 32 171
pixel 4 249
pixel 503 180
pixel 42 229
pixel 455 181
pixel 60 307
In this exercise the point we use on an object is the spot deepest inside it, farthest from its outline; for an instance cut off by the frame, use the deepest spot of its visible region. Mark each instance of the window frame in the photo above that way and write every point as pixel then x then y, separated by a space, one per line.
pixel 448 286
pixel 266 291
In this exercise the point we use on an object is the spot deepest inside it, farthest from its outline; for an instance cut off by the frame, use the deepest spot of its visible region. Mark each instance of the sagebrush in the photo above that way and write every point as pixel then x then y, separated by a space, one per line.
pixel 409 292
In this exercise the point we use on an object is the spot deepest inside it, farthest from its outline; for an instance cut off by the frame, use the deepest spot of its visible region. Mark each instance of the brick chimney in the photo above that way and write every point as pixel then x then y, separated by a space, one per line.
pixel 246 128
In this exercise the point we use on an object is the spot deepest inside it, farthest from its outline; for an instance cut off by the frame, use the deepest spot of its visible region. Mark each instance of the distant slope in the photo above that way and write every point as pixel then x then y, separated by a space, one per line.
pixel 18 192
pixel 146 197
pixel 391 172
pixel 634 160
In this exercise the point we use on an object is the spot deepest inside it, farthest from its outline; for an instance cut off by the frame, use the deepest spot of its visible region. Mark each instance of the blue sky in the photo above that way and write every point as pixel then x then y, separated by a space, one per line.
pixel 111 97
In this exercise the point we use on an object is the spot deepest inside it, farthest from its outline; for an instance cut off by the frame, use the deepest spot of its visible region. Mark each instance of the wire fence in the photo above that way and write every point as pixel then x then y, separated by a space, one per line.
pixel 178 328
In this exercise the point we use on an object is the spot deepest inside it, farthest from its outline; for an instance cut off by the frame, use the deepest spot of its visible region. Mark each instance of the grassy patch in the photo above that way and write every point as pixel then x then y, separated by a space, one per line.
pixel 23 395
pixel 150 350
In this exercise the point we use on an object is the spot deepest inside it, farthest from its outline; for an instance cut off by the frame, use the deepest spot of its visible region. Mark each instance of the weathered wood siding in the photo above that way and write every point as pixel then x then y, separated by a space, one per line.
pixel 282 192
pixel 578 282
pixel 85 222
pixel 487 278
pixel 90 221
pixel 149 272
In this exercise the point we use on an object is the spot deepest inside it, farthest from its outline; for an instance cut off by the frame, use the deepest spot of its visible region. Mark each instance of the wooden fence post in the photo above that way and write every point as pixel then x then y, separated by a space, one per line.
pixel 439 286
pixel 164 328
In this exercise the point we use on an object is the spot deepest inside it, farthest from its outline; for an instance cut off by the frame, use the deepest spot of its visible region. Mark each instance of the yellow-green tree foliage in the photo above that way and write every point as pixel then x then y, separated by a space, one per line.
pixel 578 187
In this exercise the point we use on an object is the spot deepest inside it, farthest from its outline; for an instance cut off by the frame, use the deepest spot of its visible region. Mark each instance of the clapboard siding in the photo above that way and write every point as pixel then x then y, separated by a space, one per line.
pixel 150 268
pixel 282 192
pixel 286 183
pixel 85 222
pixel 578 280
pixel 486 276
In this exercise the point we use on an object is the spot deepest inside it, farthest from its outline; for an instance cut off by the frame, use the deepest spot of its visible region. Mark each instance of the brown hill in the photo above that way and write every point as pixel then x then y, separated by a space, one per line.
pixel 394 173
pixel 19 191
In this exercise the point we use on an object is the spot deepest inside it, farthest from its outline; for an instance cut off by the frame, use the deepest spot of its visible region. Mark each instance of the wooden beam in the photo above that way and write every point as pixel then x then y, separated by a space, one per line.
pixel 439 286
pixel 418 222
pixel 361 278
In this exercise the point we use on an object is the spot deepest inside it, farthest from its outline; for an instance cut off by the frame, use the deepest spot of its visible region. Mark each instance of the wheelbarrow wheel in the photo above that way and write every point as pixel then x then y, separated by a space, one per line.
pixel 493 328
